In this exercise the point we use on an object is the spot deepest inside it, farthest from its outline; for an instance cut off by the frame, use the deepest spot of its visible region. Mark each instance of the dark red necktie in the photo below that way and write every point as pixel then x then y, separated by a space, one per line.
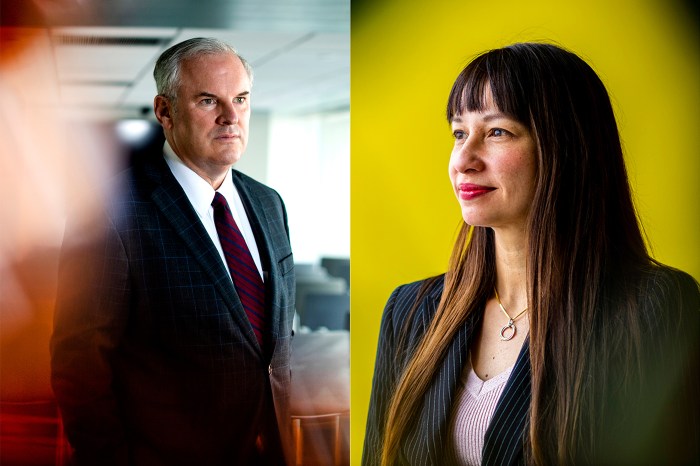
pixel 249 285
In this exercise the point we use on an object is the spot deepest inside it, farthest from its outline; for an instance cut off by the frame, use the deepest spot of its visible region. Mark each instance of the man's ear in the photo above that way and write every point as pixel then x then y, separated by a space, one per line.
pixel 163 109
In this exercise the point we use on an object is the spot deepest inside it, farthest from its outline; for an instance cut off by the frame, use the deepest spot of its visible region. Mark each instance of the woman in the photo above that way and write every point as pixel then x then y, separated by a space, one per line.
pixel 553 338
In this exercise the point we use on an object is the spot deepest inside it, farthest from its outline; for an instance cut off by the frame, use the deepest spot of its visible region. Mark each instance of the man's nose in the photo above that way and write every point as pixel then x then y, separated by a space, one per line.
pixel 228 115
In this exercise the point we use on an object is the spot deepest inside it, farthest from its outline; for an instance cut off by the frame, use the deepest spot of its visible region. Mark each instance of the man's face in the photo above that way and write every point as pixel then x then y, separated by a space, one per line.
pixel 208 126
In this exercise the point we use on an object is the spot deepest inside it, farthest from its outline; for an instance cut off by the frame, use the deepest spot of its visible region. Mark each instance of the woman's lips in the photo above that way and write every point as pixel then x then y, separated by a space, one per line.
pixel 469 191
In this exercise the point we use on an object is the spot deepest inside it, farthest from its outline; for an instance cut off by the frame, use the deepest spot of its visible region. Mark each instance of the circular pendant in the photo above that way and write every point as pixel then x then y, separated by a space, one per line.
pixel 508 331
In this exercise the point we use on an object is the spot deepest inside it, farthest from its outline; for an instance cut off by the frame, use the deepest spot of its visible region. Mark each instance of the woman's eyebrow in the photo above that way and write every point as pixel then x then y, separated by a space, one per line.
pixel 485 118
pixel 495 116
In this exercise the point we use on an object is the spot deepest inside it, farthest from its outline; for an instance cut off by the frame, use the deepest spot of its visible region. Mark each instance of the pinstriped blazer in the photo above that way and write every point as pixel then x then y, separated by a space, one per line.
pixel 425 442
pixel 671 318
pixel 153 358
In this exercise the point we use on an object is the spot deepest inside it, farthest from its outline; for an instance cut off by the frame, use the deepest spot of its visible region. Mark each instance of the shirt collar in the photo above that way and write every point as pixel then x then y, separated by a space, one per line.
pixel 198 191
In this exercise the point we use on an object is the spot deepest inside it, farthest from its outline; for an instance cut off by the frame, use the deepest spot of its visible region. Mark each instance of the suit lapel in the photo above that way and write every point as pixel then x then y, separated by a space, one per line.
pixel 255 211
pixel 440 397
pixel 503 443
pixel 172 201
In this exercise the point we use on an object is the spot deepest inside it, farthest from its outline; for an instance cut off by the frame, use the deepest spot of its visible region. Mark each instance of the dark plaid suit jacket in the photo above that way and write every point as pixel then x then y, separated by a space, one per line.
pixel 154 361
pixel 660 426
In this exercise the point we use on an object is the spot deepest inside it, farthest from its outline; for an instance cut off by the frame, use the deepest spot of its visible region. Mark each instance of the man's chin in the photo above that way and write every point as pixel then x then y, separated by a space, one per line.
pixel 230 158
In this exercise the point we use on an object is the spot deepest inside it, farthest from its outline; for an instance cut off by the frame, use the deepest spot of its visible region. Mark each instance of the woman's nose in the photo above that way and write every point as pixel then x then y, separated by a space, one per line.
pixel 468 155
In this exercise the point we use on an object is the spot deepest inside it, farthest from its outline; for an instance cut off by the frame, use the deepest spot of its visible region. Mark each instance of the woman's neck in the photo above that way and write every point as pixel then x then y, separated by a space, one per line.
pixel 511 269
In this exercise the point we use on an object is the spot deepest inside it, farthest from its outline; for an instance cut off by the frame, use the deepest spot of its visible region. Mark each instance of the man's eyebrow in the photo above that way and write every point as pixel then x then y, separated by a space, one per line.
pixel 209 94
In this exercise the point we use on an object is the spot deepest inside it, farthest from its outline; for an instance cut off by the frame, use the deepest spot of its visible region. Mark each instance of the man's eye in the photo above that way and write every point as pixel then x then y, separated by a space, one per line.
pixel 239 100
pixel 458 134
pixel 207 101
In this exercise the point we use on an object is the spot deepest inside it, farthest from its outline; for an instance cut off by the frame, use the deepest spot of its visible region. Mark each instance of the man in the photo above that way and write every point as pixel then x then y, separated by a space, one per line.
pixel 172 333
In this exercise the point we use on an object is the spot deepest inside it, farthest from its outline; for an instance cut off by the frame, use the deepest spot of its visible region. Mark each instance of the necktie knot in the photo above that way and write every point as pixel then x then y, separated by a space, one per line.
pixel 219 201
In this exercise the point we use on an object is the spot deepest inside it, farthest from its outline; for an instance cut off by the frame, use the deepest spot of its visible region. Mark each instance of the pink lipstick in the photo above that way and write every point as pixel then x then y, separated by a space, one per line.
pixel 469 191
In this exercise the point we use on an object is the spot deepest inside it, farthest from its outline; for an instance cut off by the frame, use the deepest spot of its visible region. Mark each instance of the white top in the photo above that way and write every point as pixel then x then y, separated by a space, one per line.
pixel 471 413
pixel 201 194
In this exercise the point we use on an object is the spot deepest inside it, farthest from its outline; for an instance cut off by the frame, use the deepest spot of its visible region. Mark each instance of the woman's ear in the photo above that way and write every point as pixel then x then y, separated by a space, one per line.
pixel 163 110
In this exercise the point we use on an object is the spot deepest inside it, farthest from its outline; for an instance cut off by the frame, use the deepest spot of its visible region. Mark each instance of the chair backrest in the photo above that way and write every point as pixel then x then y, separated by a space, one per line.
pixel 327 285
pixel 309 269
pixel 337 267
pixel 326 310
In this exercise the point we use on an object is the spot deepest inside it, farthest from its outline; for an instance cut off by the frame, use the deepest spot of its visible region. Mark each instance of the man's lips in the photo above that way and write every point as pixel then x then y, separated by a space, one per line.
pixel 227 137
pixel 469 191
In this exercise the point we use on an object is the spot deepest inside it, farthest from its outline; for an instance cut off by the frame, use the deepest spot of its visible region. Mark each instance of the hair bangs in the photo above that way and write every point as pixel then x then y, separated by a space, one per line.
pixel 494 72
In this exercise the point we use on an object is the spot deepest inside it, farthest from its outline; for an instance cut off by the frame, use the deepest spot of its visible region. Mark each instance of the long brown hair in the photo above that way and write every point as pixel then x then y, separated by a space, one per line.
pixel 583 234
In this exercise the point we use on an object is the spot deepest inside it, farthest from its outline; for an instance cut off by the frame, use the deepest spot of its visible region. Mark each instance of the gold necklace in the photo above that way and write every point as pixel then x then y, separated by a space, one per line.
pixel 505 335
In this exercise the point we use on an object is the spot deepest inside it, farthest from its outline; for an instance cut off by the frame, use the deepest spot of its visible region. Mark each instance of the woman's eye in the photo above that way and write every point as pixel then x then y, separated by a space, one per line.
pixel 499 132
pixel 458 134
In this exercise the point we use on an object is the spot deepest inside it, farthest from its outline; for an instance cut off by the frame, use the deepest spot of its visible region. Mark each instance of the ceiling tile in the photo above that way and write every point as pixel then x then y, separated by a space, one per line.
pixel 91 95
pixel 103 63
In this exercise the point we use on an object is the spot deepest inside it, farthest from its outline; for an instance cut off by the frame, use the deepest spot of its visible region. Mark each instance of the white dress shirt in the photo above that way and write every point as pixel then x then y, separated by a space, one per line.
pixel 201 194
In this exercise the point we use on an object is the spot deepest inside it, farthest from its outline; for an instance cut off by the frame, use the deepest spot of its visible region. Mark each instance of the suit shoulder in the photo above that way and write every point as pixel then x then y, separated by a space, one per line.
pixel 664 286
pixel 669 300
pixel 254 185
pixel 130 192
pixel 413 303
pixel 407 294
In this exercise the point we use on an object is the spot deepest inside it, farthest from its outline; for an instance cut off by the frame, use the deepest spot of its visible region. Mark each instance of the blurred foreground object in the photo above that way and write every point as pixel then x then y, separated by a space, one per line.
pixel 46 164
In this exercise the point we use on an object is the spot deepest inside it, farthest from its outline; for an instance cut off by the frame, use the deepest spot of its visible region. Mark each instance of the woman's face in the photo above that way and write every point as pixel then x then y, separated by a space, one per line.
pixel 492 168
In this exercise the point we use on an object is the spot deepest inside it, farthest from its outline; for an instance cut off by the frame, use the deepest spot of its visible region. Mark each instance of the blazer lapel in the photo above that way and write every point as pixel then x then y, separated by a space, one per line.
pixel 172 201
pixel 503 443
pixel 440 397
pixel 255 210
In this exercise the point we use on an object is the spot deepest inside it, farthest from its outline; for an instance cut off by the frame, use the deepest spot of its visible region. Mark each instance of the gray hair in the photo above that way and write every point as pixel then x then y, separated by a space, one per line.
pixel 167 69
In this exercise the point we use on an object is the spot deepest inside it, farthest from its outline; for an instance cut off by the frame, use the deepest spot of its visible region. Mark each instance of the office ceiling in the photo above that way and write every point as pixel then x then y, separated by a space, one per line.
pixel 104 51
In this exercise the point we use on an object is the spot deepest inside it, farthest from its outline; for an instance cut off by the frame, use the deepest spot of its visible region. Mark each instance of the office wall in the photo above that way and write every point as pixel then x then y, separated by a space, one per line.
pixel 309 158
pixel 255 159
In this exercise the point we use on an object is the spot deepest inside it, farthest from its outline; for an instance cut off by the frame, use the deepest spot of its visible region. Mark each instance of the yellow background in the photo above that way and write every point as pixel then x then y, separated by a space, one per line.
pixel 405 56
